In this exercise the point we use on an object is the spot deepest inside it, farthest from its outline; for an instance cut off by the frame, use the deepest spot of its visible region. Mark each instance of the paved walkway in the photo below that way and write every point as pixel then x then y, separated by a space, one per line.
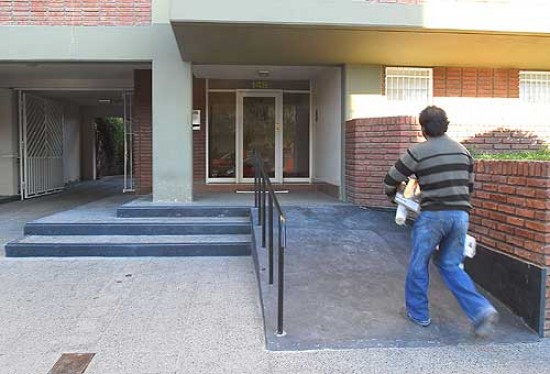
pixel 182 315
pixel 189 315
pixel 345 272
pixel 15 214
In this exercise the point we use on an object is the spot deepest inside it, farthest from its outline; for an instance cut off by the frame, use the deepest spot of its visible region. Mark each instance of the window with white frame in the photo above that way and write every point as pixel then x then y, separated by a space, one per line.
pixel 534 86
pixel 412 85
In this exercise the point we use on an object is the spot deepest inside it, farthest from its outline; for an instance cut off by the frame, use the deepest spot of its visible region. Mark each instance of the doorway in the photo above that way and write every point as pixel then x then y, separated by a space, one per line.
pixel 274 122
pixel 259 126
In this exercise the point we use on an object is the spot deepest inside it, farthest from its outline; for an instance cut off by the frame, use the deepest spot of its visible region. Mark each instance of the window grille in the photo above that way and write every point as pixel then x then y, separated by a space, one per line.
pixel 534 86
pixel 412 85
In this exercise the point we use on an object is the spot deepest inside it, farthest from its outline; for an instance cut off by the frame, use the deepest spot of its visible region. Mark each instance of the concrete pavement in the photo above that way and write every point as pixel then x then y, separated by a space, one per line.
pixel 189 315
pixel 181 315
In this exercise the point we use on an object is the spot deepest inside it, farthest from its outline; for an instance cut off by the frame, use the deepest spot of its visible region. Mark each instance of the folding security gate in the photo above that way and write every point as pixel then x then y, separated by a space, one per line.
pixel 129 183
pixel 41 142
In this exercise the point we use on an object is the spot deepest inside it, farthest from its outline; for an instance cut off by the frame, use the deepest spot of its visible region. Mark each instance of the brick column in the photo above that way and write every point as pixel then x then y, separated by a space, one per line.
pixel 373 145
pixel 199 136
pixel 143 131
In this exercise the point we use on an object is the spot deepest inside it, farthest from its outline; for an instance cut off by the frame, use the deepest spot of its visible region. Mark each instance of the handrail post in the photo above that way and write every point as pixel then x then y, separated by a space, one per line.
pixel 256 176
pixel 263 211
pixel 270 236
pixel 280 280
pixel 259 195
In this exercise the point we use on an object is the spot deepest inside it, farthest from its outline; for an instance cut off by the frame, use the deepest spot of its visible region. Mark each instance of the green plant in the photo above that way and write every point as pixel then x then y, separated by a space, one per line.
pixel 542 154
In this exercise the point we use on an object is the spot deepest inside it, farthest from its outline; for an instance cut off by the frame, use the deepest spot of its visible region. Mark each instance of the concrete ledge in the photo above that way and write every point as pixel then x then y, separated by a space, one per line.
pixel 180 211
pixel 16 249
pixel 135 228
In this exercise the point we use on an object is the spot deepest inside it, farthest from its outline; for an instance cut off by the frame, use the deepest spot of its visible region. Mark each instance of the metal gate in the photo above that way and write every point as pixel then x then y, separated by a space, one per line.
pixel 129 182
pixel 41 142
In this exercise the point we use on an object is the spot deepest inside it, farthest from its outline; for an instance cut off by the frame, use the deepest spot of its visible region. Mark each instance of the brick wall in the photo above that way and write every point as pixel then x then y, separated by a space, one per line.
pixel 511 208
pixel 199 136
pixel 475 82
pixel 73 12
pixel 143 129
pixel 503 140
pixel 512 212
pixel 511 200
pixel 373 145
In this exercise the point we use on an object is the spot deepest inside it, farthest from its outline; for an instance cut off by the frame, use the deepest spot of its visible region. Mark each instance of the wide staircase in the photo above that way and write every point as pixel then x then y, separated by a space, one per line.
pixel 139 230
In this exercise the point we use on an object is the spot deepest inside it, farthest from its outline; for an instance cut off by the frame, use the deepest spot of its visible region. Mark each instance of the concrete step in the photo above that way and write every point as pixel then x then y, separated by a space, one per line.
pixel 139 210
pixel 127 246
pixel 143 226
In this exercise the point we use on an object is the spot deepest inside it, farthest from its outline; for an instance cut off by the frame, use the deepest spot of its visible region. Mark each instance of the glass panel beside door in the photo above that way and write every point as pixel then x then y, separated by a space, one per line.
pixel 221 135
pixel 296 135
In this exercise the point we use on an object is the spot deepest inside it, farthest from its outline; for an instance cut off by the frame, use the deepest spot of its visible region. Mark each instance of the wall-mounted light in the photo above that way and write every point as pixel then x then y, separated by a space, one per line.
pixel 104 101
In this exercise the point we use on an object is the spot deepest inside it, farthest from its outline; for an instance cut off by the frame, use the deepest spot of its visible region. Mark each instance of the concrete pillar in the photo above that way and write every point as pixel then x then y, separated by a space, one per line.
pixel 72 143
pixel 9 144
pixel 172 132
pixel 87 145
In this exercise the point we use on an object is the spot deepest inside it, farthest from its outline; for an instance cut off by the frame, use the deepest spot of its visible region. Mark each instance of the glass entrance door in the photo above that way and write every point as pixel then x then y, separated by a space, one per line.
pixel 260 125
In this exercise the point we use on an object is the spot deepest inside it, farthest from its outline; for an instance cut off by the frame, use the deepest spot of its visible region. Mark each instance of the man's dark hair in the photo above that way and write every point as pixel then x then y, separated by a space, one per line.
pixel 433 121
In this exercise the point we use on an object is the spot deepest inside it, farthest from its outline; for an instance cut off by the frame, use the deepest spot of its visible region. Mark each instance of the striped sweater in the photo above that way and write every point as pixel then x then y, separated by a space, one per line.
pixel 444 169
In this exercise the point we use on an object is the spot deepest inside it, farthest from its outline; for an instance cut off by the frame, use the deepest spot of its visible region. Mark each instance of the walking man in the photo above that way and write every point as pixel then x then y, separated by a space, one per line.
pixel 444 169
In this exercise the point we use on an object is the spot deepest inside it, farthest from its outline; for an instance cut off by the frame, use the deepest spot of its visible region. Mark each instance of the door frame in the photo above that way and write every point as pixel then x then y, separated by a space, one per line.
pixel 278 128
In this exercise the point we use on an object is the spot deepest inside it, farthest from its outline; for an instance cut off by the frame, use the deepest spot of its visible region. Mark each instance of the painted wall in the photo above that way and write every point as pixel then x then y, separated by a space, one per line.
pixel 362 89
pixel 520 16
pixel 87 145
pixel 9 145
pixel 70 43
pixel 172 135
pixel 71 143
pixel 327 126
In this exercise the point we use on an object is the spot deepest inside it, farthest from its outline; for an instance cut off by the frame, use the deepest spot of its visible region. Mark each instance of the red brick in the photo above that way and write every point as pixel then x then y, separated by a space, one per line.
pixel 143 162
pixel 523 191
pixel 510 190
pixel 525 213
pixel 537 226
pixel 83 13
pixel 518 201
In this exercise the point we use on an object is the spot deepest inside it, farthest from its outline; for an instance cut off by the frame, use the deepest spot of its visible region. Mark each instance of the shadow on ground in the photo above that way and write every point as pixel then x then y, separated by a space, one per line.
pixel 15 214
pixel 344 287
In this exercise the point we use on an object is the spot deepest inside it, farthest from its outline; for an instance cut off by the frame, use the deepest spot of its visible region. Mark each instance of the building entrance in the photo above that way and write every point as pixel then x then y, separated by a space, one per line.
pixel 275 122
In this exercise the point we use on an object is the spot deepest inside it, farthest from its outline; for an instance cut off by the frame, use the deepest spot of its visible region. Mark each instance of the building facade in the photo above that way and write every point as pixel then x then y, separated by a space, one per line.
pixel 200 84
pixel 282 77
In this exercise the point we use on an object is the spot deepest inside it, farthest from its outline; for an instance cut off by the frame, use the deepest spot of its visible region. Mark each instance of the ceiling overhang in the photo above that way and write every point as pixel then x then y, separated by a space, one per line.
pixel 264 44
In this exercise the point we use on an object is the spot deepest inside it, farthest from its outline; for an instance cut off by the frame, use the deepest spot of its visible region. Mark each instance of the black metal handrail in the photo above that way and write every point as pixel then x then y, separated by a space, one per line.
pixel 263 187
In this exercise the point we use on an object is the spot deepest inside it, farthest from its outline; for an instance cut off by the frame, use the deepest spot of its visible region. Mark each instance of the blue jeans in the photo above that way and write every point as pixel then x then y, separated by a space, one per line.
pixel 446 228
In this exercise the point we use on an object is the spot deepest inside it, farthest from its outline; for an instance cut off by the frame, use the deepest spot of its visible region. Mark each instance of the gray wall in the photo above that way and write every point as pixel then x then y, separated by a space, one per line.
pixel 71 143
pixel 363 90
pixel 327 102
pixel 343 12
pixel 172 134
pixel 516 16
pixel 87 144
pixel 9 144
pixel 74 43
